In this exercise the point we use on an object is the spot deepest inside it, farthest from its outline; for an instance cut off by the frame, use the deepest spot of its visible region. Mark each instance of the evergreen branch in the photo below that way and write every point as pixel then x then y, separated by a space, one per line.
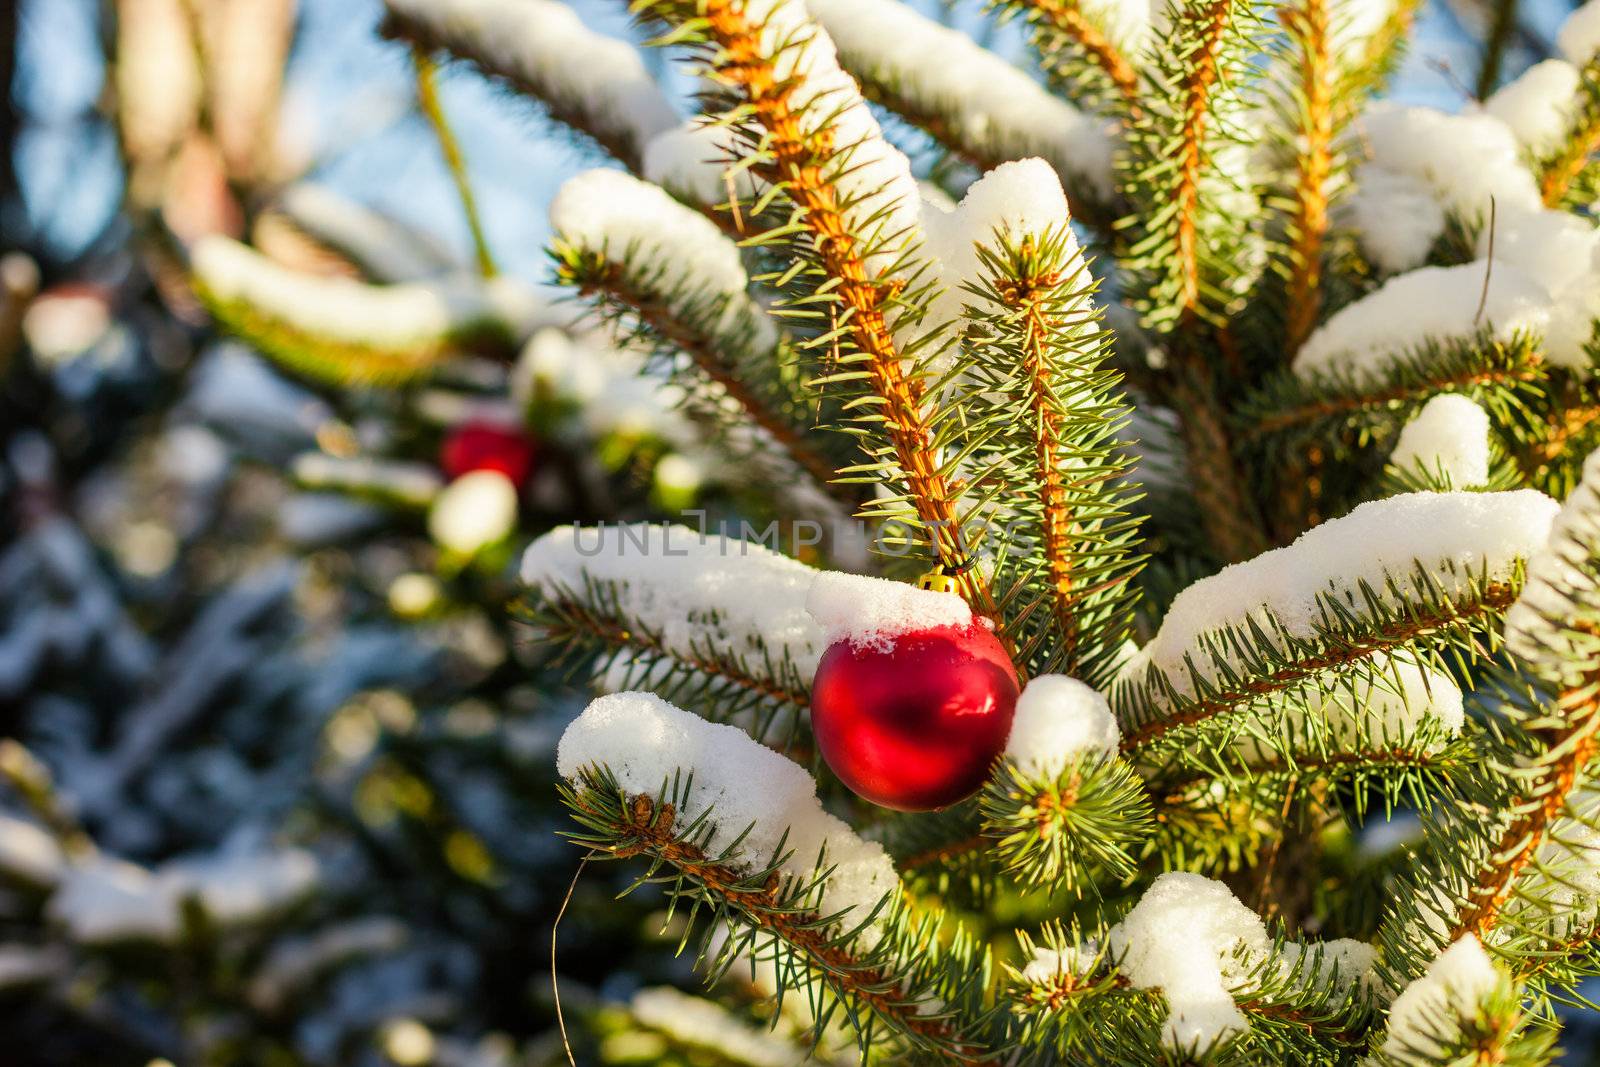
pixel 1502 27
pixel 1059 23
pixel 1561 169
pixel 1061 831
pixel 880 988
pixel 455 163
pixel 1037 354
pixel 1571 744
pixel 1383 52
pixel 1307 25
pixel 541 51
pixel 729 341
pixel 802 160
pixel 1196 88
pixel 1271 660
pixel 1291 408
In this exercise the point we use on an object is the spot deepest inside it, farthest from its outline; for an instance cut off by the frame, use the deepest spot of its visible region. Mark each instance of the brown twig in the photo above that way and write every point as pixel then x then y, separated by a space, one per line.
pixel 1066 17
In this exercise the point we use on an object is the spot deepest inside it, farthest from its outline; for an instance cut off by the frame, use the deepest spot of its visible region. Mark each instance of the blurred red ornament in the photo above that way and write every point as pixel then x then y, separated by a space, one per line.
pixel 487 446
pixel 916 725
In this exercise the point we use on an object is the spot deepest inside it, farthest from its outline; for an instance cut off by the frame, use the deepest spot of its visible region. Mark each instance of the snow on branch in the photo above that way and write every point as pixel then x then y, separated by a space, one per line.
pixel 342 331
pixel 969 99
pixel 740 829
pixel 1449 441
pixel 1446 1014
pixel 1192 939
pixel 386 249
pixel 1409 564
pixel 595 84
pixel 741 803
pixel 1555 624
pixel 1425 167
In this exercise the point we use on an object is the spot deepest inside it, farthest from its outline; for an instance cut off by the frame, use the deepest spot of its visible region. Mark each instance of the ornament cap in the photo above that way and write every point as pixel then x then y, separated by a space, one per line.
pixel 940 580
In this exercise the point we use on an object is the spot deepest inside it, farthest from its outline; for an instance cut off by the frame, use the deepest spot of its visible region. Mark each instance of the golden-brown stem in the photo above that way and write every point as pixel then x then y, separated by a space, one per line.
pixel 1204 71
pixel 1534 812
pixel 1067 18
pixel 1559 171
pixel 1308 22
pixel 799 163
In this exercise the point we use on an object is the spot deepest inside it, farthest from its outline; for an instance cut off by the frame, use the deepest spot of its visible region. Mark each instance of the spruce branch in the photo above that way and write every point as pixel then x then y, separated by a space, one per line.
pixel 1562 168
pixel 1307 26
pixel 882 990
pixel 1062 31
pixel 733 346
pixel 433 109
pixel 1037 355
pixel 800 158
pixel 1455 611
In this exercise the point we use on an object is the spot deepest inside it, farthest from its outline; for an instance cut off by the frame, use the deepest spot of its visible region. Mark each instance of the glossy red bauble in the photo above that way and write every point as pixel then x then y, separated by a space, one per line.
pixel 486 446
pixel 916 725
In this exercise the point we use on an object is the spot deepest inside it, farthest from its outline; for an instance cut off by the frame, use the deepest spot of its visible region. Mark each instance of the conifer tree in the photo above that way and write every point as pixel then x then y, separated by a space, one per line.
pixel 1157 617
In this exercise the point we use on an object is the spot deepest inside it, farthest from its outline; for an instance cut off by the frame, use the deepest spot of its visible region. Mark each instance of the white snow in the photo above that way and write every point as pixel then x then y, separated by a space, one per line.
pixel 1560 251
pixel 339 309
pixel 28 852
pixel 1432 303
pixel 1533 623
pixel 700 1023
pixel 1015 199
pixel 611 211
pixel 1397 217
pixel 385 248
pixel 1538 106
pixel 1449 435
pixel 1579 36
pixel 872 612
pixel 694 592
pixel 988 102
pixel 545 45
pixel 1452 986
pixel 1453 536
pixel 1048 966
pixel 693 161
pixel 413 483
pixel 1391 702
pixel 475 511
pixel 102 899
pixel 1460 160
pixel 1058 721
pixel 643 740
pixel 1191 938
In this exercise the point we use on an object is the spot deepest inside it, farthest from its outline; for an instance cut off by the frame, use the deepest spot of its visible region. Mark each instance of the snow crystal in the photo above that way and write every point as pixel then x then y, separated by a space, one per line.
pixel 1452 987
pixel 700 1023
pixel 1538 105
pixel 1180 938
pixel 1433 303
pixel 871 612
pixel 643 740
pixel 338 308
pixel 545 44
pixel 1579 36
pixel 1533 623
pixel 1059 720
pixel 693 591
pixel 386 249
pixel 989 102
pixel 609 210
pixel 1014 199
pixel 473 512
pixel 1453 536
pixel 1461 160
pixel 28 852
pixel 1449 434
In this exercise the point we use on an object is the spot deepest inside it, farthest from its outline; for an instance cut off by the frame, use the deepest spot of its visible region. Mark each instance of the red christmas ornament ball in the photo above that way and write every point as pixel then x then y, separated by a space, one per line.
pixel 916 725
pixel 487 446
